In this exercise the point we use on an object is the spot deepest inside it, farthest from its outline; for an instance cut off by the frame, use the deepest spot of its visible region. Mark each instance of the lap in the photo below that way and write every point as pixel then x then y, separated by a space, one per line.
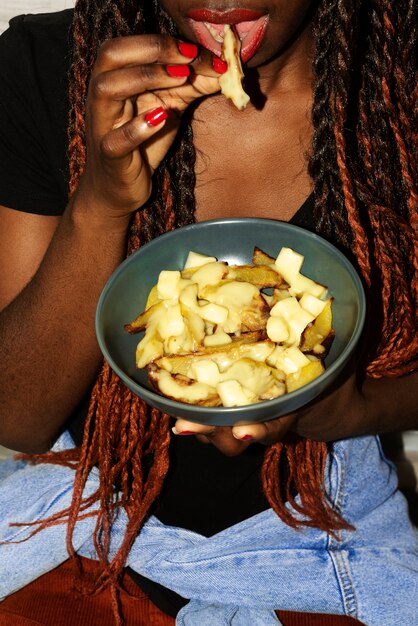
pixel 52 600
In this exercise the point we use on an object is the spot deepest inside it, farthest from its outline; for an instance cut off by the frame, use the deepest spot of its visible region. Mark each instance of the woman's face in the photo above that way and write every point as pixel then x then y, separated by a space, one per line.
pixel 265 27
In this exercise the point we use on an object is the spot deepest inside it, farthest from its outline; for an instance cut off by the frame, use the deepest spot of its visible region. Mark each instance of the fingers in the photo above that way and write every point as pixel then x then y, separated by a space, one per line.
pixel 124 138
pixel 143 50
pixel 233 441
pixel 138 90
pixel 134 75
pixel 219 436
pixel 129 66
pixel 138 50
pixel 111 93
pixel 266 433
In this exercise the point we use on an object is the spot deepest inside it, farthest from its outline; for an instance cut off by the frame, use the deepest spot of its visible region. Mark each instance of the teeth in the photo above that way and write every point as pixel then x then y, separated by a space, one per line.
pixel 216 34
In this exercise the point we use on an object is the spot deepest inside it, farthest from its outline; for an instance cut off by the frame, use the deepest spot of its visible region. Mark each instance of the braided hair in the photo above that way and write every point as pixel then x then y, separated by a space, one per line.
pixel 363 166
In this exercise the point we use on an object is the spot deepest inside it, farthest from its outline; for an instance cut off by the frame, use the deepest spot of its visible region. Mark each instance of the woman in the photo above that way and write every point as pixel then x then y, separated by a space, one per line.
pixel 326 142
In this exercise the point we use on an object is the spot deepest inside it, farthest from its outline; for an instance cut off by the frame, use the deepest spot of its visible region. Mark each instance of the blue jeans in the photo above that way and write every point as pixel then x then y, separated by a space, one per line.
pixel 239 576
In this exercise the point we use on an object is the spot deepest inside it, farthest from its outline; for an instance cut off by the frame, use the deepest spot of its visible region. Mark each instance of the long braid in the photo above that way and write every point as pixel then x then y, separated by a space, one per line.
pixel 356 197
pixel 362 166
pixel 323 162
pixel 335 207
pixel 376 171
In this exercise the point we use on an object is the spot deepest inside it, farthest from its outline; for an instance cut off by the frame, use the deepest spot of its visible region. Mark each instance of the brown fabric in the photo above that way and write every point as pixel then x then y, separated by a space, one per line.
pixel 51 600
pixel 314 619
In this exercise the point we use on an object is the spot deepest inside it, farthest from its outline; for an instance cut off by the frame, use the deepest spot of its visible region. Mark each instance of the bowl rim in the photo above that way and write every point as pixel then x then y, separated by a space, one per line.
pixel 156 398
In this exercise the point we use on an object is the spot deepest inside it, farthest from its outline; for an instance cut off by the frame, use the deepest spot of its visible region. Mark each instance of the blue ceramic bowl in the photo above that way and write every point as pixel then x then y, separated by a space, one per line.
pixel 231 240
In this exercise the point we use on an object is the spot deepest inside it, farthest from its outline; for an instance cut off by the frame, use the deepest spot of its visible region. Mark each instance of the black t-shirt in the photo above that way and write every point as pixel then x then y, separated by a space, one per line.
pixel 33 113
pixel 205 491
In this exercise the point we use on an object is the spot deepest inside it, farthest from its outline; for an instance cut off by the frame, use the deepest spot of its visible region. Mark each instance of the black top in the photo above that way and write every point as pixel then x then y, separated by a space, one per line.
pixel 205 491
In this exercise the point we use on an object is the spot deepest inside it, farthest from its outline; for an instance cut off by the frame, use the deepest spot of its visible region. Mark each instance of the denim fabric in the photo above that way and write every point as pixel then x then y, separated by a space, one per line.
pixel 239 576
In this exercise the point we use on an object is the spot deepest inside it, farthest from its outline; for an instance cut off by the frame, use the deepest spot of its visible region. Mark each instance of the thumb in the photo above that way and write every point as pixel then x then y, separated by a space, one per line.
pixel 266 433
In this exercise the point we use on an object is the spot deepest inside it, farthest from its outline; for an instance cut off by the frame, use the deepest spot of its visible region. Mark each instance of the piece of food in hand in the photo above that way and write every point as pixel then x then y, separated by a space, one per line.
pixel 221 335
pixel 231 80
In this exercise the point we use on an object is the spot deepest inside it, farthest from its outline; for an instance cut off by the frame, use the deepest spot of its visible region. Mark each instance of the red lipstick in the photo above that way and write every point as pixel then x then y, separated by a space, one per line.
pixel 230 16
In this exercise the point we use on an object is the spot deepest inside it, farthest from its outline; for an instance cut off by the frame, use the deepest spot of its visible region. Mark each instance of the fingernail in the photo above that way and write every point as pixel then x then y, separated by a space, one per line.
pixel 182 432
pixel 178 71
pixel 244 437
pixel 157 116
pixel 219 65
pixel 188 50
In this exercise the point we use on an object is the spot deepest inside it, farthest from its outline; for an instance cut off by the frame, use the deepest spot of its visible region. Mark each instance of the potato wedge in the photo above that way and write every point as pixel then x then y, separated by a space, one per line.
pixel 248 310
pixel 149 349
pixel 152 297
pixel 181 388
pixel 304 376
pixel 141 322
pixel 231 81
pixel 262 379
pixel 319 333
pixel 262 276
pixel 256 315
pixel 262 258
pixel 223 357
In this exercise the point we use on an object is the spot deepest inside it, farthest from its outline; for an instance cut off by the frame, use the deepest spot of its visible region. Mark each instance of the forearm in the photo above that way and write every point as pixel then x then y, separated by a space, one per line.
pixel 391 403
pixel 352 409
pixel 48 349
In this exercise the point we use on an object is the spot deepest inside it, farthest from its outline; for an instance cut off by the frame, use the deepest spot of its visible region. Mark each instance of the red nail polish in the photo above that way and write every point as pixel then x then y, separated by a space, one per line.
pixel 178 71
pixel 186 432
pixel 246 438
pixel 219 65
pixel 188 50
pixel 157 116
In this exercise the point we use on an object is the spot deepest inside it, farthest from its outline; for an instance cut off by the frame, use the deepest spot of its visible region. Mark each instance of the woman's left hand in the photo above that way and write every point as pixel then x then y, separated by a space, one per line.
pixel 349 408
pixel 234 440
pixel 336 414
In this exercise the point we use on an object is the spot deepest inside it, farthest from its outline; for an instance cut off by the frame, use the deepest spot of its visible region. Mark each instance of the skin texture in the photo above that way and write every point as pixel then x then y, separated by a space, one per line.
pixel 51 281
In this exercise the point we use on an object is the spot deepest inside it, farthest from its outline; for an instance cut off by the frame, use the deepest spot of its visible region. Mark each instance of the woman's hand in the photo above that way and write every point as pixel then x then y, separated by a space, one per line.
pixel 234 440
pixel 139 88
pixel 349 408
pixel 336 414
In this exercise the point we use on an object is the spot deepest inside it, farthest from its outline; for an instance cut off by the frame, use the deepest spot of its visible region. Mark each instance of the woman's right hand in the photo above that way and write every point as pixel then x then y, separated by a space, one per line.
pixel 136 82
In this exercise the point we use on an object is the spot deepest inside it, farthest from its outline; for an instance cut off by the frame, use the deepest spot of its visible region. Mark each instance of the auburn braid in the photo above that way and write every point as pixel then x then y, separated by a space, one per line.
pixel 376 168
pixel 362 166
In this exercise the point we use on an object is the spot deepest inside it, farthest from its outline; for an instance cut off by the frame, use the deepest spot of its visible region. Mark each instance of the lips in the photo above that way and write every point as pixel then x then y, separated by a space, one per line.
pixel 230 16
pixel 208 27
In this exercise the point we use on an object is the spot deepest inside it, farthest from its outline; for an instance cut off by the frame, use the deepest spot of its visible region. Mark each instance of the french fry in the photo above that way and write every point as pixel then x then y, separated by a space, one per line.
pixel 318 337
pixel 305 375
pixel 224 357
pixel 231 81
pixel 141 322
pixel 262 276
pixel 182 389
pixel 262 258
